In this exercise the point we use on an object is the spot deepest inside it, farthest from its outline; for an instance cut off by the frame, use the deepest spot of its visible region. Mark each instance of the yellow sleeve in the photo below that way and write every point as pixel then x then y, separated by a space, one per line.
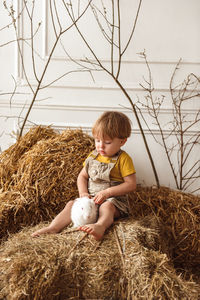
pixel 126 165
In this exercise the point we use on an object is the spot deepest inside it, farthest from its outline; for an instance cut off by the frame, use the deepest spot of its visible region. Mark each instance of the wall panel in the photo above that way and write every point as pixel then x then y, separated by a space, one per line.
pixel 167 30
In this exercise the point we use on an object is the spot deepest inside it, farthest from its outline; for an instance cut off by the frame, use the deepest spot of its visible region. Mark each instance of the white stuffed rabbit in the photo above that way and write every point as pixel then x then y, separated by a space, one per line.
pixel 84 211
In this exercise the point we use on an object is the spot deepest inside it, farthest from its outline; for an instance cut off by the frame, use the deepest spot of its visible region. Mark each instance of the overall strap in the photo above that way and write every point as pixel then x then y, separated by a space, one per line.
pixel 94 154
pixel 115 158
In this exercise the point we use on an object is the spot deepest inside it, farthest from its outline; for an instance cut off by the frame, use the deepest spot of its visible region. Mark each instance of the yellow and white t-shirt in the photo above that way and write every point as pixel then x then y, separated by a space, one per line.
pixel 123 167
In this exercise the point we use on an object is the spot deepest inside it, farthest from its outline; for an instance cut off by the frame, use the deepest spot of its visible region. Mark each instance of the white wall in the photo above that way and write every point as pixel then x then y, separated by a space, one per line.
pixel 167 30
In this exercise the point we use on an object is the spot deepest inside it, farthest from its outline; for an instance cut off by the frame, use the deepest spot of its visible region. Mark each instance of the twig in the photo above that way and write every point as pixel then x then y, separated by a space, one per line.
pixel 119 247
pixel 183 147
pixel 72 249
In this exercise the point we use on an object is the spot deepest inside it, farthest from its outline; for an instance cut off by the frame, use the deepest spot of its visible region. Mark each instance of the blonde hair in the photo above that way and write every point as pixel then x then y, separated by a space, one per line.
pixel 112 124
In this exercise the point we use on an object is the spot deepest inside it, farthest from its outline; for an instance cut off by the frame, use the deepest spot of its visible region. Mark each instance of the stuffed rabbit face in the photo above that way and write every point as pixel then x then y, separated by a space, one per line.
pixel 84 211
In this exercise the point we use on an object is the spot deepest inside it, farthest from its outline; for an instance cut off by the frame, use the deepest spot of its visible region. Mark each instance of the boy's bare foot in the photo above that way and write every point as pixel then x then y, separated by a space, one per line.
pixel 43 231
pixel 94 229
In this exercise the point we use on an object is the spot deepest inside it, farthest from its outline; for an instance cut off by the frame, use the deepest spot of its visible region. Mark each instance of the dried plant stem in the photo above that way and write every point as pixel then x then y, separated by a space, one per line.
pixel 142 132
pixel 119 246
pixel 77 243
pixel 114 28
pixel 111 73
pixel 180 124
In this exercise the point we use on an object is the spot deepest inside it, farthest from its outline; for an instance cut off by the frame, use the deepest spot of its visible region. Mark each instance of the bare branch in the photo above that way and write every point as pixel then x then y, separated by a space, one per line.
pixel 133 29
pixel 180 125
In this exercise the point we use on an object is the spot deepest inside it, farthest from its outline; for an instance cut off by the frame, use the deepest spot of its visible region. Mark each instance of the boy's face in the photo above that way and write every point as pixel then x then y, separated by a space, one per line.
pixel 107 146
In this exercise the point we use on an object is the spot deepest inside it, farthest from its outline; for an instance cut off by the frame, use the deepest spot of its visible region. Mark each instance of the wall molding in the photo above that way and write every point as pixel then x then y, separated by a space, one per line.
pixel 136 61
pixel 18 73
pixel 100 85
pixel 86 127
pixel 60 126
pixel 126 109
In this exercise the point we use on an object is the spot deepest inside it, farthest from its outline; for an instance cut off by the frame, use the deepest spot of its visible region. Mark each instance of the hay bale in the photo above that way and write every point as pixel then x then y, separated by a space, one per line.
pixel 127 264
pixel 180 215
pixel 47 174
pixel 12 212
pixel 150 275
pixel 43 179
pixel 37 177
pixel 9 158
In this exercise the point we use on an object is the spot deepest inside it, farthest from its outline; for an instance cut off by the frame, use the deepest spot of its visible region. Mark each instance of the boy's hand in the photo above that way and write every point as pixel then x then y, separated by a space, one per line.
pixel 101 196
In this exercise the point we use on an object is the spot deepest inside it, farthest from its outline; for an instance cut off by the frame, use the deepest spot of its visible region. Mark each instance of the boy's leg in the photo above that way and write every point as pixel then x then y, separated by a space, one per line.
pixel 59 222
pixel 107 213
